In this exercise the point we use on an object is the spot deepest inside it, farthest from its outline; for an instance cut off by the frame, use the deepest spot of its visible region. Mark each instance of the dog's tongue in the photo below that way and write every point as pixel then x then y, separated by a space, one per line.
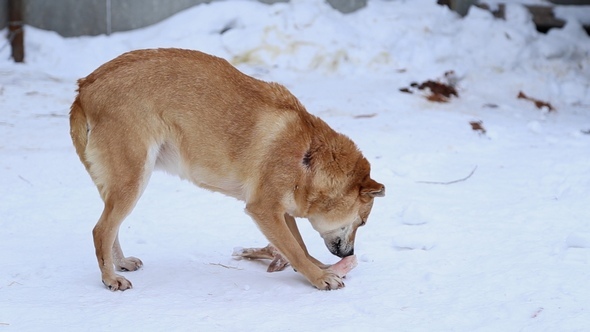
pixel 344 266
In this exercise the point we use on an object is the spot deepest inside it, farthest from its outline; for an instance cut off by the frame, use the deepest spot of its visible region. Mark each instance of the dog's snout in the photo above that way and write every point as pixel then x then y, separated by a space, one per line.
pixel 340 249
pixel 346 253
pixel 343 254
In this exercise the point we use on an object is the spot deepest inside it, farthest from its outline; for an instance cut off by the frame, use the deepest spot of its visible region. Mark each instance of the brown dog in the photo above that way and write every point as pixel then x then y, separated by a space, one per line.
pixel 196 116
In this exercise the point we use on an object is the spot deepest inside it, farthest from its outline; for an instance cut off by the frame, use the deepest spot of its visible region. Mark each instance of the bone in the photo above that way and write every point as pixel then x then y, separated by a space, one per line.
pixel 344 266
pixel 279 263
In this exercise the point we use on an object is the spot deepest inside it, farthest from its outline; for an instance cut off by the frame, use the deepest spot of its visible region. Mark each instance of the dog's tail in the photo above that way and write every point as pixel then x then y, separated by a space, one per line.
pixel 79 129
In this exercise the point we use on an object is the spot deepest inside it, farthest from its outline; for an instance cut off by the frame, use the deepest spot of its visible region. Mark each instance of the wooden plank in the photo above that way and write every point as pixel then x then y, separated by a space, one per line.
pixel 15 29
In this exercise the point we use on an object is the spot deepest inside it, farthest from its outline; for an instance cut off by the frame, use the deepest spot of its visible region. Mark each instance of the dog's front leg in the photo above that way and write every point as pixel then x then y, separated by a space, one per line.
pixel 292 224
pixel 274 226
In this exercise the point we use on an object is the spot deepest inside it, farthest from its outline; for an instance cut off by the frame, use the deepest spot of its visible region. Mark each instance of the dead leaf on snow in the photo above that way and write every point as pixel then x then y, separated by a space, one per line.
pixel 478 126
pixel 538 103
pixel 439 92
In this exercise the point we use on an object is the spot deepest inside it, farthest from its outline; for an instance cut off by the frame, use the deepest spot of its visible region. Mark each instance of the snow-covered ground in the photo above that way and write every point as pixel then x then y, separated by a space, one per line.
pixel 478 231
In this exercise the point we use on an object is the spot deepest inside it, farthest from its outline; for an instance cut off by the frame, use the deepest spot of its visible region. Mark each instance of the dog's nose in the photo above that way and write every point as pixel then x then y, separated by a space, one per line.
pixel 348 253
pixel 344 253
pixel 338 248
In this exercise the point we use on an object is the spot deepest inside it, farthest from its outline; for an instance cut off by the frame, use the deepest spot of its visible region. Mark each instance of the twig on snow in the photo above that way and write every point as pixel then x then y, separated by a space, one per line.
pixel 27 181
pixel 537 312
pixel 365 116
pixel 225 266
pixel 450 182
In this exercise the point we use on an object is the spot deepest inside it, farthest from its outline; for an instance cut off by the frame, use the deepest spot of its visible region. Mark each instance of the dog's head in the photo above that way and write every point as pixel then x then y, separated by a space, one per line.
pixel 343 206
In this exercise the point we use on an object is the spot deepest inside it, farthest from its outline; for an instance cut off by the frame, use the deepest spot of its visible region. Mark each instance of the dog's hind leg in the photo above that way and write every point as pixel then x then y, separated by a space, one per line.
pixel 123 263
pixel 121 173
pixel 105 235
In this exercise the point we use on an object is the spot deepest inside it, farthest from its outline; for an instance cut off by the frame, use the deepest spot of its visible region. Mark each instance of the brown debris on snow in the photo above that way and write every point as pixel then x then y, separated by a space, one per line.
pixel 538 103
pixel 439 92
pixel 478 126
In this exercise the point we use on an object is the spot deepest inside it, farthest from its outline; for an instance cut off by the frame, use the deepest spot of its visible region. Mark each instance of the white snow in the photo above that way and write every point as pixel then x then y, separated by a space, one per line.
pixel 506 249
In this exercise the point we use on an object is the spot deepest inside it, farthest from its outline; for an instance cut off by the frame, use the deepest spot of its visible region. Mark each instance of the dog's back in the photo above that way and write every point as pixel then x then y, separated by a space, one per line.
pixel 203 120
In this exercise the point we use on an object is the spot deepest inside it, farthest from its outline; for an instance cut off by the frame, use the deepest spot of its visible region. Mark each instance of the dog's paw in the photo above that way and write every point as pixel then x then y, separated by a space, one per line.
pixel 129 264
pixel 116 282
pixel 329 281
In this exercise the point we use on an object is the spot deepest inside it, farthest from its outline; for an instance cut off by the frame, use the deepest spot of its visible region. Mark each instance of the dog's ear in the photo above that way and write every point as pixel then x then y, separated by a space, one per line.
pixel 371 188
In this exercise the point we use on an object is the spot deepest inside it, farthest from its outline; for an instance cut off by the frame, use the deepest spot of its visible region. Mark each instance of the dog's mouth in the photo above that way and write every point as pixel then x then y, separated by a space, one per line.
pixel 340 242
pixel 340 248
